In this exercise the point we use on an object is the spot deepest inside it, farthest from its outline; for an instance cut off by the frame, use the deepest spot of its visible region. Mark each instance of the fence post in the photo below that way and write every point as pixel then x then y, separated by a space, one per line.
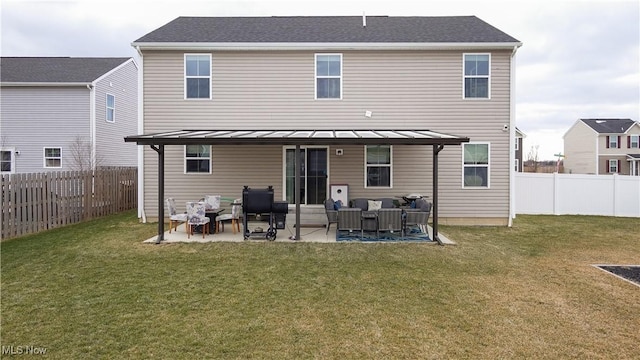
pixel 556 195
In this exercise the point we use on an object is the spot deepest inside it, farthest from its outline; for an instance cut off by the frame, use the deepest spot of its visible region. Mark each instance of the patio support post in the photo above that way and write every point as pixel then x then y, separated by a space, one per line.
pixel 297 192
pixel 160 151
pixel 436 150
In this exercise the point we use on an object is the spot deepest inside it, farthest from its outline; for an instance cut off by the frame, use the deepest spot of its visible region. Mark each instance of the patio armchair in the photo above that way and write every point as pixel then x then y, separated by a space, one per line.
pixel 350 219
pixel 418 216
pixel 196 216
pixel 390 220
pixel 236 210
pixel 174 218
pixel 332 213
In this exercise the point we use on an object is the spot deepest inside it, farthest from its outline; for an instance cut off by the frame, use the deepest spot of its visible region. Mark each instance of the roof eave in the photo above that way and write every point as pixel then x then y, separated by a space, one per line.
pixel 44 84
pixel 248 46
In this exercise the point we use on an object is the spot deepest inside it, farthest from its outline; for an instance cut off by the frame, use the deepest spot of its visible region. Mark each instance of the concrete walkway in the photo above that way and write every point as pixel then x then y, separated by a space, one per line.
pixel 307 234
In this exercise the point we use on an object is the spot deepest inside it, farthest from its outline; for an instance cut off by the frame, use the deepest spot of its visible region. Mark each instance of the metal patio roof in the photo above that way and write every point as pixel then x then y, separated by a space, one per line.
pixel 297 137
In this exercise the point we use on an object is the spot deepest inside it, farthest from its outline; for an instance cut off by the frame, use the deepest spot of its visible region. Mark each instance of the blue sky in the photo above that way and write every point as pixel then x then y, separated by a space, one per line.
pixel 580 59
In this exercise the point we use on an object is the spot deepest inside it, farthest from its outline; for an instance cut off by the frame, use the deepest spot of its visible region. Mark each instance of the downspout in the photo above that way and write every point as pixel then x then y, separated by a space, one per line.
pixel 512 138
pixel 141 212
pixel 92 123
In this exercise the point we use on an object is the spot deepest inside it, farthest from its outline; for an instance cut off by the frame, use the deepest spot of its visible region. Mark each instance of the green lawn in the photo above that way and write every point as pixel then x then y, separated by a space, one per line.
pixel 93 290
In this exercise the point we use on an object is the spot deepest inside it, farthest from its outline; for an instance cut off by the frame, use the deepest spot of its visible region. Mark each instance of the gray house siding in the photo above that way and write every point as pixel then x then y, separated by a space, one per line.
pixel 270 90
pixel 110 149
pixel 33 118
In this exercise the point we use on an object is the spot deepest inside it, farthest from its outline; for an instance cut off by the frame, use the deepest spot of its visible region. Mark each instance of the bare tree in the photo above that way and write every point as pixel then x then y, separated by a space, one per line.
pixel 82 157
pixel 532 158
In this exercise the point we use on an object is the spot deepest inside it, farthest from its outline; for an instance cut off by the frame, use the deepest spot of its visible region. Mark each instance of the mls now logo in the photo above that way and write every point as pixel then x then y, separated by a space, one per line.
pixel 23 350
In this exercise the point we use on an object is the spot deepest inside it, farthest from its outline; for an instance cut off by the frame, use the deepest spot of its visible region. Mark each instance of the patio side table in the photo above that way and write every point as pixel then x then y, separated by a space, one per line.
pixel 369 221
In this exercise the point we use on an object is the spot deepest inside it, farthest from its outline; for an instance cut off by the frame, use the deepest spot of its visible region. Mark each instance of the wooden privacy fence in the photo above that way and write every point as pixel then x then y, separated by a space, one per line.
pixel 34 202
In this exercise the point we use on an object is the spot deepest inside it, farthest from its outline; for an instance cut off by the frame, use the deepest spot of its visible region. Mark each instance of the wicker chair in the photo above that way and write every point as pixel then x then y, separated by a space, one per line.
pixel 332 213
pixel 418 216
pixel 350 219
pixel 390 220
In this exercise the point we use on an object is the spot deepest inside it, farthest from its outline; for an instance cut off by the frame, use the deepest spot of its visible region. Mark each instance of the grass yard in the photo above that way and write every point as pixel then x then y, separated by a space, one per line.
pixel 93 290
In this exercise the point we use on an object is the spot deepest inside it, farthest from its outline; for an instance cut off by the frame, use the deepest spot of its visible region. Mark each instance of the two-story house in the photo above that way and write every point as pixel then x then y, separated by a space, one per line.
pixel 67 113
pixel 371 102
pixel 603 146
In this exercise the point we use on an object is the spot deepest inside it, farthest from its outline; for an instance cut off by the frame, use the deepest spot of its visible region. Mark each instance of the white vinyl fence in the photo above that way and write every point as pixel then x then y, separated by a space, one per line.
pixel 577 194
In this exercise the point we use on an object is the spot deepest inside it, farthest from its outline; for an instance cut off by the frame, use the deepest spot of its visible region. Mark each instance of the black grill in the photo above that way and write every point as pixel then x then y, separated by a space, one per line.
pixel 258 203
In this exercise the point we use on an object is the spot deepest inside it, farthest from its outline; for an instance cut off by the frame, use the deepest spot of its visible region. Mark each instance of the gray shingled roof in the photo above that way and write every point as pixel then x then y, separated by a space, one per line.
pixel 327 29
pixel 609 126
pixel 55 69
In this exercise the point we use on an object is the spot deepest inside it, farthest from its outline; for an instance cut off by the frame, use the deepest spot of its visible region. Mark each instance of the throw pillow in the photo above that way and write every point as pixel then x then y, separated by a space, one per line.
pixel 337 205
pixel 374 205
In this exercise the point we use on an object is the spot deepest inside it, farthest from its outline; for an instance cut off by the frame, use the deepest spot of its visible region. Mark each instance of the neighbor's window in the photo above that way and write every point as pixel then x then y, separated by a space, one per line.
pixel 378 166
pixel 197 159
pixel 634 141
pixel 475 165
pixel 613 166
pixel 517 165
pixel 613 141
pixel 53 157
pixel 197 76
pixel 328 76
pixel 111 108
pixel 6 160
pixel 476 76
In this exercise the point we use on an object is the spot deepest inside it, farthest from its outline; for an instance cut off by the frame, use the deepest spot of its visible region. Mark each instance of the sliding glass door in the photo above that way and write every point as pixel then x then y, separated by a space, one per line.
pixel 313 175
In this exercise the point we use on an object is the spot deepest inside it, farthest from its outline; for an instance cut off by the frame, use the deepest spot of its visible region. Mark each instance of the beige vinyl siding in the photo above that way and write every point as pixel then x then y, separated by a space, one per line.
pixel 111 150
pixel 402 89
pixel 580 148
pixel 33 118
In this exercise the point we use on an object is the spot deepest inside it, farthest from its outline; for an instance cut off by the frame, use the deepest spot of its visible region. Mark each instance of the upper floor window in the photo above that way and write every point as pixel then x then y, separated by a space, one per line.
pixel 475 165
pixel 634 141
pixel 197 159
pixel 111 108
pixel 378 166
pixel 328 76
pixel 613 142
pixel 476 76
pixel 6 160
pixel 197 76
pixel 613 166
pixel 53 157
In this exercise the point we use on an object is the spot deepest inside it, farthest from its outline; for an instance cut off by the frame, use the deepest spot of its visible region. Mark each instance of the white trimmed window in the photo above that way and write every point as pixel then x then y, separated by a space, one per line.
pixel 634 141
pixel 197 76
pixel 53 157
pixel 613 141
pixel 111 108
pixel 197 159
pixel 378 168
pixel 328 76
pixel 613 166
pixel 7 160
pixel 476 76
pixel 475 165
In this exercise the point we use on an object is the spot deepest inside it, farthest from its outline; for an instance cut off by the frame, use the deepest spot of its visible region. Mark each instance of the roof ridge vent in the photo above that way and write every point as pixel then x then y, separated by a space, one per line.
pixel 600 121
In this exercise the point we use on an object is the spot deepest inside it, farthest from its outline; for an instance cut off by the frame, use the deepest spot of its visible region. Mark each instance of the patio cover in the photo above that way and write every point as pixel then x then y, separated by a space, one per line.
pixel 157 141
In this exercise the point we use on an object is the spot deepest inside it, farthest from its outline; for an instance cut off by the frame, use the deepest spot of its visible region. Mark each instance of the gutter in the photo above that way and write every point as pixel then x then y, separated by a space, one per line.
pixel 512 138
pixel 141 213
pixel 92 123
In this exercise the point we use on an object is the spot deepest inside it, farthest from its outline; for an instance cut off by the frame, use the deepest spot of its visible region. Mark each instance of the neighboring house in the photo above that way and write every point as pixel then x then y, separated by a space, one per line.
pixel 66 113
pixel 236 86
pixel 518 164
pixel 603 146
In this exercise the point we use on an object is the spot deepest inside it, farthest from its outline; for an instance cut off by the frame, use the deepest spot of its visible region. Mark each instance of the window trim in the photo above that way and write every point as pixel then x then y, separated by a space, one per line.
pixel 209 77
pixel 390 166
pixel 315 75
pixel 45 158
pixel 210 158
pixel 617 166
pixel 107 108
pixel 637 141
pixel 12 151
pixel 465 76
pixel 610 142
pixel 488 165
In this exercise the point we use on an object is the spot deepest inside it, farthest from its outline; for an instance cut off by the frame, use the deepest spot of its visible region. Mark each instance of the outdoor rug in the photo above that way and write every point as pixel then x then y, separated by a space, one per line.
pixel 414 234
